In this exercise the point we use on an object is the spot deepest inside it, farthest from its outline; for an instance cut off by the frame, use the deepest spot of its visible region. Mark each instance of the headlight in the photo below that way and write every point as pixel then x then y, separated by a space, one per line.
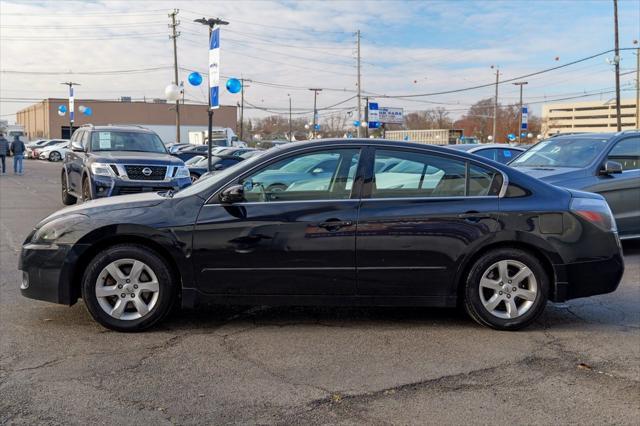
pixel 52 231
pixel 182 172
pixel 101 169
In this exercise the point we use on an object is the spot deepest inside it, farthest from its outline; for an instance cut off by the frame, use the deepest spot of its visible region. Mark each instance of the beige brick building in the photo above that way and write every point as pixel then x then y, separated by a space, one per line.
pixel 590 116
pixel 41 120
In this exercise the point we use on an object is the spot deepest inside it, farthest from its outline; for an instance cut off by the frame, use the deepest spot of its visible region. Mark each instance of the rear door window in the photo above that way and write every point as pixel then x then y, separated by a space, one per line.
pixel 627 153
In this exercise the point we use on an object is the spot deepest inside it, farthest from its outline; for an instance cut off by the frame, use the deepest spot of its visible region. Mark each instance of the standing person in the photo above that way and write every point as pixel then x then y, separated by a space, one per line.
pixel 17 148
pixel 4 150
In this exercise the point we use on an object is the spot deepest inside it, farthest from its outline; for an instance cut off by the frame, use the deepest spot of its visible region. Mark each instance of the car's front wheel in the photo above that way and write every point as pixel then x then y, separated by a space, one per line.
pixel 506 289
pixel 55 156
pixel 194 177
pixel 86 189
pixel 128 287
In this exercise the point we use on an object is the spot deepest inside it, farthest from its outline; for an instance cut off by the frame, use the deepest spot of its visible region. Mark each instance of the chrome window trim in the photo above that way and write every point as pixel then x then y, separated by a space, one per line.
pixel 347 145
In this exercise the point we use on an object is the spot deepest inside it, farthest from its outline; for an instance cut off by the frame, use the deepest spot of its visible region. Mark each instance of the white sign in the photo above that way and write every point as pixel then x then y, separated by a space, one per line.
pixel 71 106
pixel 391 115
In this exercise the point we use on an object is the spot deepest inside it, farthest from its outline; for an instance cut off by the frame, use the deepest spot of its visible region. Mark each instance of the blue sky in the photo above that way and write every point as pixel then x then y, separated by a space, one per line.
pixel 407 48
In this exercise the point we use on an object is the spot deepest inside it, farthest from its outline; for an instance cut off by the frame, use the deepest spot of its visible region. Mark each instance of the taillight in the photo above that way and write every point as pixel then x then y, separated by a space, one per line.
pixel 594 210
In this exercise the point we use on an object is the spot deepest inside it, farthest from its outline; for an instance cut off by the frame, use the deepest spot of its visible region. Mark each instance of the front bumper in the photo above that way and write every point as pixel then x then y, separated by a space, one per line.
pixel 46 272
pixel 106 186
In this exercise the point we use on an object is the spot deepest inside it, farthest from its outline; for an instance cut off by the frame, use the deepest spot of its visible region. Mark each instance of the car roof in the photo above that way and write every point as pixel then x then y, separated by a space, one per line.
pixel 601 135
pixel 110 128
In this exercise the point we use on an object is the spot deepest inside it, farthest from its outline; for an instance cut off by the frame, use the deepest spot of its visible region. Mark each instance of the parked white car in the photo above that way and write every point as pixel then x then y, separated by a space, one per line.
pixel 54 152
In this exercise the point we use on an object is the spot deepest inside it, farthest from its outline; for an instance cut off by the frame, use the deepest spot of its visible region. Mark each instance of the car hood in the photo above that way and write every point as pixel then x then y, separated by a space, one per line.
pixel 552 174
pixel 142 158
pixel 104 205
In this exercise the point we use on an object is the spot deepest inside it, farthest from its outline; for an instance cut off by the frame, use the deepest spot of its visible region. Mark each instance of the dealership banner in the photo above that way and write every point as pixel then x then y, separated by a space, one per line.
pixel 373 115
pixel 71 104
pixel 391 115
pixel 525 118
pixel 214 69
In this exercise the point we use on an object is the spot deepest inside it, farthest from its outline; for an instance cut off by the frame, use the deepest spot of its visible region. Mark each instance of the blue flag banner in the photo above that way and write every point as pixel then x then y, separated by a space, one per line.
pixel 525 118
pixel 214 69
pixel 373 115
pixel 71 104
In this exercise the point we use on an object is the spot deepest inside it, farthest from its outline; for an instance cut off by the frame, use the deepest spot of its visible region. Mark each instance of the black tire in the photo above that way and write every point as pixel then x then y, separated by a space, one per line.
pixel 166 285
pixel 86 189
pixel 55 156
pixel 473 300
pixel 67 199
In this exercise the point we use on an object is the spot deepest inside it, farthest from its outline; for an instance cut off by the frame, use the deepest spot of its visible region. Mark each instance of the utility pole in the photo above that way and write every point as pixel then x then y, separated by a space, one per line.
pixel 315 109
pixel 519 126
pixel 211 22
pixel 358 83
pixel 174 35
pixel 290 125
pixel 637 87
pixel 495 106
pixel 617 65
pixel 71 105
pixel 242 80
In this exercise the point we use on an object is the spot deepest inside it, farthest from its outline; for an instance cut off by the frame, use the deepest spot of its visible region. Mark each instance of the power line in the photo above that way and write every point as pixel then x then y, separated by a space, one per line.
pixel 110 72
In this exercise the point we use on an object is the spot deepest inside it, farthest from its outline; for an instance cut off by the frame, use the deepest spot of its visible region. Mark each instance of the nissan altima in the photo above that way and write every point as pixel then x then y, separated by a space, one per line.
pixel 462 230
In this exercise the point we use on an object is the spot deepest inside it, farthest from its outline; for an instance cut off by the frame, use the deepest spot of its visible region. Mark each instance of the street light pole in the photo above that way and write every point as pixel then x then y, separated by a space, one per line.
pixel 315 110
pixel 71 105
pixel 290 125
pixel 174 35
pixel 519 125
pixel 211 22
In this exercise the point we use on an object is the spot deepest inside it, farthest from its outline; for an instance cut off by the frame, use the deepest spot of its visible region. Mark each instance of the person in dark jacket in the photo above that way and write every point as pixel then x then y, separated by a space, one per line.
pixel 4 151
pixel 17 148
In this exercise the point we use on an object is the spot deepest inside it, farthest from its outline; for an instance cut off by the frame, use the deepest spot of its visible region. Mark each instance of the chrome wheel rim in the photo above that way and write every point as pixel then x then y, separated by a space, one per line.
pixel 127 289
pixel 508 289
pixel 194 178
pixel 55 156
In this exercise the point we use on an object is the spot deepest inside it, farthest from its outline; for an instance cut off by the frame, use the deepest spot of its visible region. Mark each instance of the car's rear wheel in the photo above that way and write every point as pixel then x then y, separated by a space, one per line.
pixel 128 287
pixel 86 189
pixel 194 177
pixel 506 289
pixel 55 156
pixel 67 199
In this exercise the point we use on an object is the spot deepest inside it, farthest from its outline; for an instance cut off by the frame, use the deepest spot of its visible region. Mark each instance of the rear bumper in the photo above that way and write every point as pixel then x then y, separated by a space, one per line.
pixel 583 279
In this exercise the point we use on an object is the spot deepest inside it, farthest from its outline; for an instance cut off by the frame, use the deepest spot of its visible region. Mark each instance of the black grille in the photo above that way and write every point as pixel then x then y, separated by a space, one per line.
pixel 138 189
pixel 136 172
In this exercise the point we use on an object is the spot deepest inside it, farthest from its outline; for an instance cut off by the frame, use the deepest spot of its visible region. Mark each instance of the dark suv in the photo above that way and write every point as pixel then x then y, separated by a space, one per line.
pixel 118 160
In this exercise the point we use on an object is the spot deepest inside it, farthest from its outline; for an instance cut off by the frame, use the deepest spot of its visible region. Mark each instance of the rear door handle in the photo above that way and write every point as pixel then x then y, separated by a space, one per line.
pixel 334 224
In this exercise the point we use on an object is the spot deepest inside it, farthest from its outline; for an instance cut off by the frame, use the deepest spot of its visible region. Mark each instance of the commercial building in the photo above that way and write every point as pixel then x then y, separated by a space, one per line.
pixel 429 137
pixel 591 116
pixel 41 120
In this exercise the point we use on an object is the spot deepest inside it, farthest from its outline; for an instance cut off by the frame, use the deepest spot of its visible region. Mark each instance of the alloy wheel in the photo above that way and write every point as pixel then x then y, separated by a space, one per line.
pixel 127 289
pixel 55 156
pixel 508 289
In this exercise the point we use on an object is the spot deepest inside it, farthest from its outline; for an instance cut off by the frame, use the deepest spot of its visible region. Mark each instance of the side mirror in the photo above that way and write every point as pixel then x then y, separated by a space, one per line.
pixel 233 194
pixel 77 147
pixel 611 167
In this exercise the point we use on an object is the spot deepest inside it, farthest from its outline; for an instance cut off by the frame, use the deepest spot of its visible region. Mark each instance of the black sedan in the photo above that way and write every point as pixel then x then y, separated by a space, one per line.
pixel 605 163
pixel 462 231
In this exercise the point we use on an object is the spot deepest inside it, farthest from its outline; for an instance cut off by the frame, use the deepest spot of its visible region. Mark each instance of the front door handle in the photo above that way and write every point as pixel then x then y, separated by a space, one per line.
pixel 334 224
pixel 473 216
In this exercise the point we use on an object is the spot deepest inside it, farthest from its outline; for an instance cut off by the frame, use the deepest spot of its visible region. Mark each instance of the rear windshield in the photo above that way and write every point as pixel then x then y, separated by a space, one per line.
pixel 561 152
pixel 126 141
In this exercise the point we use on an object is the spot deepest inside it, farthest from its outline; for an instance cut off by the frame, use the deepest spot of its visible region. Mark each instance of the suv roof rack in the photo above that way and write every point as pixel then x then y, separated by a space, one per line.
pixel 86 125
pixel 127 125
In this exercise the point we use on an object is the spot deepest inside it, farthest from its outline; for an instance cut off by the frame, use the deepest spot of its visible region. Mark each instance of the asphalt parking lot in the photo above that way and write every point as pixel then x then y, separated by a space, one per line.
pixel 578 364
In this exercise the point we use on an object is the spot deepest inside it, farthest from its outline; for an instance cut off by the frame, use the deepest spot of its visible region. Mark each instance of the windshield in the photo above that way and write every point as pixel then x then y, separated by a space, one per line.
pixel 127 141
pixel 193 160
pixel 561 152
pixel 202 184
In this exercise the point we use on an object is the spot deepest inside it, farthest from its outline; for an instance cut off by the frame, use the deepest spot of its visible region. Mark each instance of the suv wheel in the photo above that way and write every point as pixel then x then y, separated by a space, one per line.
pixel 86 189
pixel 67 199
pixel 506 289
pixel 128 288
